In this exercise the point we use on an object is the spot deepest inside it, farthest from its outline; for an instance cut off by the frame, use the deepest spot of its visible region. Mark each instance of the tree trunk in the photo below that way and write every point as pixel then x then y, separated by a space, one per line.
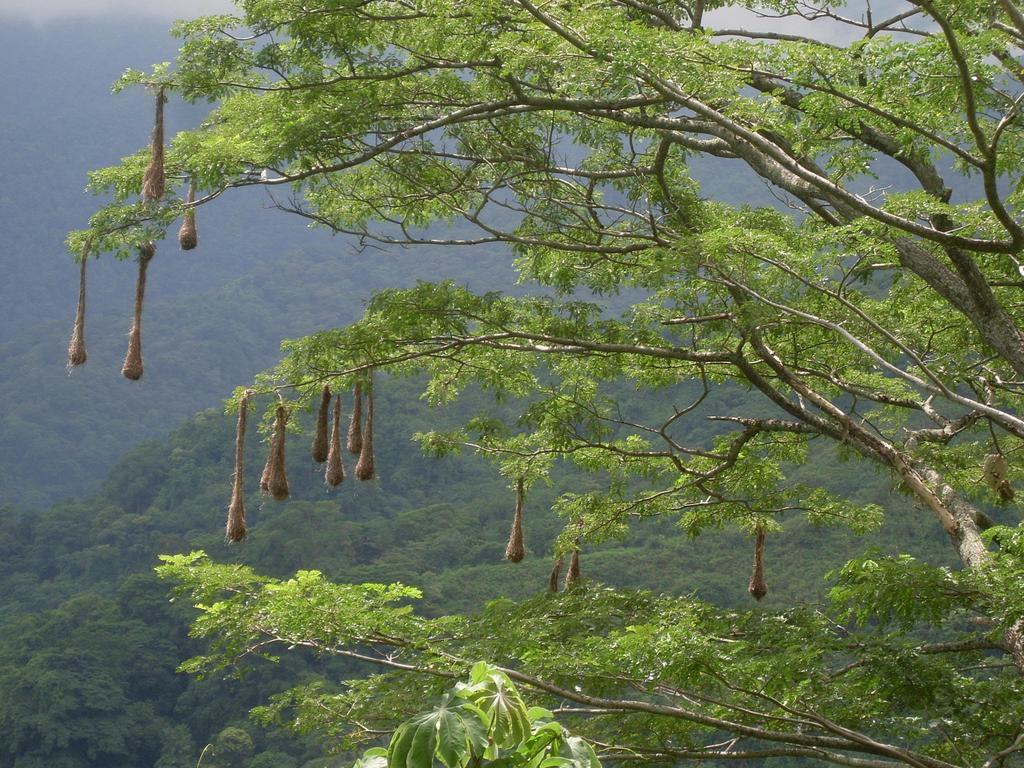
pixel 966 538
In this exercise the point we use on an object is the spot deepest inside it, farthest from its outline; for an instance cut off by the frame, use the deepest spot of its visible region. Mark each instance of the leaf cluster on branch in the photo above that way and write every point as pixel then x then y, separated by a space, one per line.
pixel 899 669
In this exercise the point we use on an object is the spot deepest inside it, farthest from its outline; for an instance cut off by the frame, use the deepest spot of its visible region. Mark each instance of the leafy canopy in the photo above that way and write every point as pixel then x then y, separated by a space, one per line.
pixel 874 312
pixel 894 670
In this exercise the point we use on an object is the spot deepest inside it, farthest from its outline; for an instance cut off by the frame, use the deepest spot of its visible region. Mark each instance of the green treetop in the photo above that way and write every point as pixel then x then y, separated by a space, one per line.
pixel 876 309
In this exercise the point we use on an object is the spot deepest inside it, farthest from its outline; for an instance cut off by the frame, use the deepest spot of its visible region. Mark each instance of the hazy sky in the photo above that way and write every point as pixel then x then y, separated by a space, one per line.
pixel 45 10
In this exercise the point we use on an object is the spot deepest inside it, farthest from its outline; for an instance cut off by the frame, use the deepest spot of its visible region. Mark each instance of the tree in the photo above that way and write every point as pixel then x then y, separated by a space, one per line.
pixel 70 697
pixel 875 310
pixel 232 747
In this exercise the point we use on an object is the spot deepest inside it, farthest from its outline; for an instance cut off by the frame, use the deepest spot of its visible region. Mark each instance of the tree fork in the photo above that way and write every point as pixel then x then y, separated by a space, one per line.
pixel 959 519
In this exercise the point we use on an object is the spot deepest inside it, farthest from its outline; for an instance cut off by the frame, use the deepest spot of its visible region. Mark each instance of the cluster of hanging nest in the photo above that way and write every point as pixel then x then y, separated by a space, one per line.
pixel 154 186
pixel 326 449
pixel 515 549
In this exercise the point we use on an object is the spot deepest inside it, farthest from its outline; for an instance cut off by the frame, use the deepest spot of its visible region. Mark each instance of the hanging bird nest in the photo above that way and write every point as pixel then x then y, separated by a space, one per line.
pixel 132 368
pixel 758 588
pixel 188 235
pixel 275 477
pixel 153 182
pixel 572 576
pixel 556 571
pixel 364 467
pixel 996 470
pixel 234 530
pixel 76 347
pixel 335 472
pixel 318 450
pixel 355 426
pixel 515 550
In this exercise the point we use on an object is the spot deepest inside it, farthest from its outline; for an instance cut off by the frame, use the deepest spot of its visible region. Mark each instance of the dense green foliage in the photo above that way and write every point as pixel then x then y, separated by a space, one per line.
pixel 645 677
pixel 883 324
pixel 484 719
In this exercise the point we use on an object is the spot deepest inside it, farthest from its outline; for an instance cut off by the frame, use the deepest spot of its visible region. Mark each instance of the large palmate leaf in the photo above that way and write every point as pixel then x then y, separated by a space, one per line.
pixel 485 719
pixel 508 722
pixel 454 733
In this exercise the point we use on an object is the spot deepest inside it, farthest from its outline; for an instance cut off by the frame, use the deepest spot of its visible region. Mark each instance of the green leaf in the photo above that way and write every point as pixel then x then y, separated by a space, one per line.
pixel 579 753
pixel 491 690
pixel 452 734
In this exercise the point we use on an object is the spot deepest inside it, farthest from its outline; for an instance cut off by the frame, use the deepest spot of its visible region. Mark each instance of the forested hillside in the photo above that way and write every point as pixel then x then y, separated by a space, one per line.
pixel 90 642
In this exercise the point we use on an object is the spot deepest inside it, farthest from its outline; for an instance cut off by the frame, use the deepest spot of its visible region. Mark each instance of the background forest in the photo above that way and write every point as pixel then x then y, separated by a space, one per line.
pixel 99 475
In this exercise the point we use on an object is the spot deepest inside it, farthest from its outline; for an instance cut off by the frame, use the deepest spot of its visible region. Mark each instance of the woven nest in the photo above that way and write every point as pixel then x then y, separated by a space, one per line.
pixel 153 182
pixel 515 550
pixel 556 571
pixel 234 529
pixel 572 576
pixel 758 588
pixel 318 450
pixel 76 346
pixel 335 471
pixel 275 478
pixel 364 467
pixel 355 425
pixel 132 368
